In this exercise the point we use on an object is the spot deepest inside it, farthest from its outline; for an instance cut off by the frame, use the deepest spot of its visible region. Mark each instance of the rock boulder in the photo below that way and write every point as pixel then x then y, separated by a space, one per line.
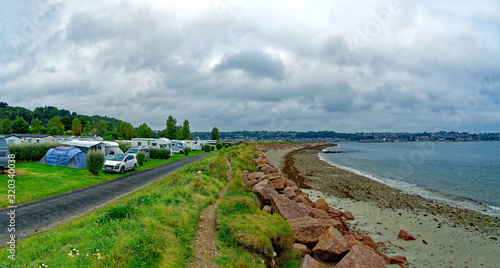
pixel 360 257
pixel 332 246
pixel 307 230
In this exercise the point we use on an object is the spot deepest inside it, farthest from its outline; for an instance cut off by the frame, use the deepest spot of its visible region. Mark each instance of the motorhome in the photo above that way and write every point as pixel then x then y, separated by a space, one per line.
pixel 194 145
pixel 4 155
pixel 161 143
pixel 209 142
pixel 177 146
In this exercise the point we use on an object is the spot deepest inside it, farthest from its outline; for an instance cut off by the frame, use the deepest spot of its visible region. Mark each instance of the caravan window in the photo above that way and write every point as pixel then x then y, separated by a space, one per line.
pixel 154 143
pixel 139 143
pixel 149 143
pixel 3 153
pixel 178 145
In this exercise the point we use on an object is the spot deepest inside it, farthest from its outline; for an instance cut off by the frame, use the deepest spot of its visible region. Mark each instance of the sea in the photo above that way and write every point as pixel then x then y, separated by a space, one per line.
pixel 461 174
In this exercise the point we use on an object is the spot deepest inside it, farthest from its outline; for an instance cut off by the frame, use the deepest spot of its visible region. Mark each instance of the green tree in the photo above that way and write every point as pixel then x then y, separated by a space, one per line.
pixel 101 128
pixel 76 126
pixel 186 133
pixel 110 127
pixel 5 126
pixel 171 131
pixel 215 134
pixel 20 126
pixel 36 124
pixel 125 131
pixel 143 131
pixel 55 123
pixel 67 123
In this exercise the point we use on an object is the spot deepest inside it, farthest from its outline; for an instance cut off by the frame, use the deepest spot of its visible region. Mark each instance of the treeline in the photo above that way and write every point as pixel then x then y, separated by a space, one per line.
pixel 53 121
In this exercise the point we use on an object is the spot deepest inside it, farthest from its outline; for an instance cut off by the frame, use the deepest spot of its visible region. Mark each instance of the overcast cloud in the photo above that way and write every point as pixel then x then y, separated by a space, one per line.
pixel 345 66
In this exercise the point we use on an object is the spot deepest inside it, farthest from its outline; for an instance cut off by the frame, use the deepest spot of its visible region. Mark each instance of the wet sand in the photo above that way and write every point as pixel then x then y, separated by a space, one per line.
pixel 446 236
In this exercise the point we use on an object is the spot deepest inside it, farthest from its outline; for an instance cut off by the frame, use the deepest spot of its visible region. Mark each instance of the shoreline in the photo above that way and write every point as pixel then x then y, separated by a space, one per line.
pixel 446 236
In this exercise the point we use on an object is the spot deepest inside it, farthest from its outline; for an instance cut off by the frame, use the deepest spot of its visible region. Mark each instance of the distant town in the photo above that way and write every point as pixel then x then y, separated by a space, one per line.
pixel 330 136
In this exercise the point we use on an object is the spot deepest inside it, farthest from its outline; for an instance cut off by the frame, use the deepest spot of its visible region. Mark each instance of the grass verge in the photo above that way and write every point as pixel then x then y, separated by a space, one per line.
pixel 35 181
pixel 153 227
pixel 248 237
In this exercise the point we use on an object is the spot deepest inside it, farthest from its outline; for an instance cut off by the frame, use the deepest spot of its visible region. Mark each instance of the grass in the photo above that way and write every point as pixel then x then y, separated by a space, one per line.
pixel 247 236
pixel 153 227
pixel 35 181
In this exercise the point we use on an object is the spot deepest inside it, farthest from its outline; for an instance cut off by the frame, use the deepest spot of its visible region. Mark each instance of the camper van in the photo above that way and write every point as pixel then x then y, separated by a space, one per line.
pixel 4 155
pixel 194 145
pixel 161 143
pixel 177 146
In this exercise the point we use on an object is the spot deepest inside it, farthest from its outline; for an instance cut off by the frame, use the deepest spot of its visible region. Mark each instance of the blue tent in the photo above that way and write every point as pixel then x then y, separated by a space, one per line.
pixel 65 156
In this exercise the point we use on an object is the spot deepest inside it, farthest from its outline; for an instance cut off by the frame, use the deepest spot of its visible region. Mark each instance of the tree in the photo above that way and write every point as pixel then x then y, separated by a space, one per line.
pixel 5 126
pixel 36 124
pixel 67 123
pixel 76 126
pixel 20 126
pixel 101 129
pixel 171 130
pixel 215 134
pixel 57 125
pixel 186 133
pixel 4 105
pixel 125 131
pixel 143 131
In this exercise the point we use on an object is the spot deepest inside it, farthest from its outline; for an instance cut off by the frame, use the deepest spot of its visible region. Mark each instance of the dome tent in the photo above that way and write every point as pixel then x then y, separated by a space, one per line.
pixel 65 156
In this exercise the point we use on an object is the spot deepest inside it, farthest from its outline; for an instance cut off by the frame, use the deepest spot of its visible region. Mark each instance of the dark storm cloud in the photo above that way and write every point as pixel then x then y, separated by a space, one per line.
pixel 255 63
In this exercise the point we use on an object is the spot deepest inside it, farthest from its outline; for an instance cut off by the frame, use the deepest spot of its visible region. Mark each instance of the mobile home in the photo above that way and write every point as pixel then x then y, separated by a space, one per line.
pixel 107 147
pixel 177 146
pixel 194 145
pixel 150 142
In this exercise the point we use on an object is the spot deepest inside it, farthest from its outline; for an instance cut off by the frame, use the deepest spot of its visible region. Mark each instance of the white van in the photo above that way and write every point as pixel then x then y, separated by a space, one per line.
pixel 177 146
pixel 194 145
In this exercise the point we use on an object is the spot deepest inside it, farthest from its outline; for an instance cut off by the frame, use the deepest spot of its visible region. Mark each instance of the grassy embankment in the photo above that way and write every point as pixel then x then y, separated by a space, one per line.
pixel 53 180
pixel 248 237
pixel 155 226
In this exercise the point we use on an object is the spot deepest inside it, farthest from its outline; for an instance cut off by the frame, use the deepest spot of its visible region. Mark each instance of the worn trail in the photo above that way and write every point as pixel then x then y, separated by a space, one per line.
pixel 204 245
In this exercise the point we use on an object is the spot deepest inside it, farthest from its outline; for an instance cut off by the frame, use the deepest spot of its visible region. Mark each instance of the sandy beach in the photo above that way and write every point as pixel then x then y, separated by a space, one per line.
pixel 445 236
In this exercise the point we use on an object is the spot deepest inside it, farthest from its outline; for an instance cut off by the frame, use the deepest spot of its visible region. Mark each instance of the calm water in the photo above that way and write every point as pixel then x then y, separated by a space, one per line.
pixel 463 174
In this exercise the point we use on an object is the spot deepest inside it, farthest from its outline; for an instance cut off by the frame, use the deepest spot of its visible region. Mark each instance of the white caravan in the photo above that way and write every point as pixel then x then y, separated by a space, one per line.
pixel 194 145
pixel 161 143
pixel 177 146
pixel 107 147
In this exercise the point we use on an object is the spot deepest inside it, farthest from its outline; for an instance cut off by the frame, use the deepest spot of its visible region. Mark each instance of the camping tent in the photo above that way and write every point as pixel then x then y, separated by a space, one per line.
pixel 65 156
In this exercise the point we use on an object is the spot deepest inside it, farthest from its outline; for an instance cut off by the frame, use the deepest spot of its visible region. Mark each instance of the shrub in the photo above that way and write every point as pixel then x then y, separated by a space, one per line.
pixel 95 161
pixel 141 157
pixel 206 148
pixel 30 152
pixel 212 147
pixel 218 145
pixel 156 153
pixel 187 150
pixel 124 146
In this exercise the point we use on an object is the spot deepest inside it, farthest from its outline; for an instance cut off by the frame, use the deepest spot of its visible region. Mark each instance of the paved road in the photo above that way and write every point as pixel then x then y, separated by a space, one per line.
pixel 44 214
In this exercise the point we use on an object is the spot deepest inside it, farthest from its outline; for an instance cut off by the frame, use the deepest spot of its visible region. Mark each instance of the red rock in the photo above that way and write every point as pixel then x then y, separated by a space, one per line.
pixel 332 246
pixel 303 249
pixel 382 246
pixel 255 175
pixel 398 260
pixel 252 183
pixel 307 230
pixel 322 204
pixel 309 262
pixel 347 215
pixel 264 190
pixel 367 240
pixel 287 208
pixel 292 184
pixel 317 213
pixel 267 209
pixel 405 236
pixel 260 160
pixel 295 189
pixel 352 241
pixel 301 199
pixel 290 193
pixel 277 182
pixel 360 257
pixel 268 169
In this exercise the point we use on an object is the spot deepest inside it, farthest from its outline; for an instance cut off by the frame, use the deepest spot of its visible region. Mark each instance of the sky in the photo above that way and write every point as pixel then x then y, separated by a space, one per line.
pixel 344 66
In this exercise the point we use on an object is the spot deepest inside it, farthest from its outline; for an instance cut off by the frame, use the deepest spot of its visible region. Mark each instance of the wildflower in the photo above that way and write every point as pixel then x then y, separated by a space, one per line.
pixel 74 252
pixel 43 265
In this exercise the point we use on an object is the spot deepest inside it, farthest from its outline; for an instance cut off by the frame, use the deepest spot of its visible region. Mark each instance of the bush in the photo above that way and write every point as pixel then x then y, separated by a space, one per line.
pixel 141 157
pixel 30 152
pixel 206 148
pixel 212 147
pixel 124 146
pixel 156 153
pixel 218 145
pixel 187 150
pixel 95 161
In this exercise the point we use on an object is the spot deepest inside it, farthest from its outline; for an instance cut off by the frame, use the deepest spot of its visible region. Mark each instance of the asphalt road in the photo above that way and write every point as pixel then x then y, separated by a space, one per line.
pixel 41 215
